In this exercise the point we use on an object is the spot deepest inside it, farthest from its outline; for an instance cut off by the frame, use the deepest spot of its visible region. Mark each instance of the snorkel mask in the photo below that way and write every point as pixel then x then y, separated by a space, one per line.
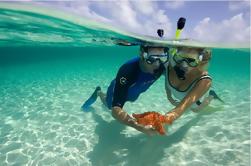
pixel 192 62
pixel 182 62
pixel 151 58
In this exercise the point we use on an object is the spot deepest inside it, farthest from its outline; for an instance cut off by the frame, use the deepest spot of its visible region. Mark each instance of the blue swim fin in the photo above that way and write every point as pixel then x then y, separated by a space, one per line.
pixel 212 93
pixel 90 100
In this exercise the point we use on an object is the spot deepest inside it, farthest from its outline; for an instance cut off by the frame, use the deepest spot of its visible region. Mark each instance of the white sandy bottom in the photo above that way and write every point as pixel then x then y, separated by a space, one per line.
pixel 41 124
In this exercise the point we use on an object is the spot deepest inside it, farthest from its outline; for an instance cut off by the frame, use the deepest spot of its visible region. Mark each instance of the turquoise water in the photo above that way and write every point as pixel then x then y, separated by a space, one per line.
pixel 43 85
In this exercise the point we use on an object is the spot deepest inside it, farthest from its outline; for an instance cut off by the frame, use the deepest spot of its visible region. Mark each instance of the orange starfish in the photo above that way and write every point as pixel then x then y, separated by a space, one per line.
pixel 155 119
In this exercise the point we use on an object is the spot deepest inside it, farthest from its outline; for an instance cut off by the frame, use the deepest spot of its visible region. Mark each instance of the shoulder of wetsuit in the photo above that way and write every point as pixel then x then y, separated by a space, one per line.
pixel 131 66
pixel 129 71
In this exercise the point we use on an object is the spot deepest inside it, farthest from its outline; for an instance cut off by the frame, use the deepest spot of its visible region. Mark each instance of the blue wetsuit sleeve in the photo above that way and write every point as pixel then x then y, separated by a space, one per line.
pixel 126 76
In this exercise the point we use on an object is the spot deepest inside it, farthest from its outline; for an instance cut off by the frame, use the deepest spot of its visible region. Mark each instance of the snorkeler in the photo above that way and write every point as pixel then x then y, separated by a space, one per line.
pixel 133 78
pixel 188 81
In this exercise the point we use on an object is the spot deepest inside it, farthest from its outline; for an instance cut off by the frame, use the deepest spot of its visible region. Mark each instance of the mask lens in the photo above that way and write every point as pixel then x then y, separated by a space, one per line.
pixel 150 60
pixel 177 58
pixel 161 58
pixel 190 61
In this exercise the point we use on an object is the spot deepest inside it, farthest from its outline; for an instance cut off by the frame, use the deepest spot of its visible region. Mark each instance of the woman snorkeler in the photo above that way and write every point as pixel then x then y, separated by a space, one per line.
pixel 188 81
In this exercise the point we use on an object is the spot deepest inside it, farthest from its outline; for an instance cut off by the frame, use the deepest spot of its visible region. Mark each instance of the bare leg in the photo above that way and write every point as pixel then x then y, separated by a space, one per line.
pixel 102 97
pixel 207 100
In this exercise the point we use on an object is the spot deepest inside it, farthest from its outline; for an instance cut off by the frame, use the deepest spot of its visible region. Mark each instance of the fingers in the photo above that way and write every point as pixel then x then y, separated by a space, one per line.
pixel 131 120
pixel 138 115
pixel 134 115
pixel 149 127
pixel 141 126
pixel 149 130
pixel 170 117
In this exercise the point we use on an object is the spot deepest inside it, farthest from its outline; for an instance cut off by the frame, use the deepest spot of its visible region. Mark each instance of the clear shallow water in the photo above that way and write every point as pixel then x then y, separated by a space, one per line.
pixel 42 89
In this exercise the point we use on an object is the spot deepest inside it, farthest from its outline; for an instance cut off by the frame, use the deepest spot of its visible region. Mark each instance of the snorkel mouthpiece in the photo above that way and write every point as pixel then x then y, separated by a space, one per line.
pixel 179 72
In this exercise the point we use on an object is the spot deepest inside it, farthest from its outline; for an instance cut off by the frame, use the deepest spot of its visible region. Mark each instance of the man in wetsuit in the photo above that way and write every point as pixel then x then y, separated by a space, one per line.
pixel 133 78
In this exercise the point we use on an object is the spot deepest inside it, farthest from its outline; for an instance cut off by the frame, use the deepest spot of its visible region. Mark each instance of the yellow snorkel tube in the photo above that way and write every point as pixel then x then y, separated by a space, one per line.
pixel 180 25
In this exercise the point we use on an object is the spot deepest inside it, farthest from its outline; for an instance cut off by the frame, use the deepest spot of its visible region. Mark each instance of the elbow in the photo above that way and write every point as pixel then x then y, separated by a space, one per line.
pixel 115 112
pixel 208 84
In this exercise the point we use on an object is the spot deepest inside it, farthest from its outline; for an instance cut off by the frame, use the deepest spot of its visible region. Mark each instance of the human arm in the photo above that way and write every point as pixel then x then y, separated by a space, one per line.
pixel 126 76
pixel 194 95
pixel 120 115
pixel 203 104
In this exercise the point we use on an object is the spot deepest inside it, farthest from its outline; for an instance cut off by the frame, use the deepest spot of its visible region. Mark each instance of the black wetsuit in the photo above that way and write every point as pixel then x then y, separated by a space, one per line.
pixel 129 83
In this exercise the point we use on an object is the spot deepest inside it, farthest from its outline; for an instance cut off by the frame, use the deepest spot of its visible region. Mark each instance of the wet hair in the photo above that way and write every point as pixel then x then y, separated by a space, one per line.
pixel 146 48
pixel 207 54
